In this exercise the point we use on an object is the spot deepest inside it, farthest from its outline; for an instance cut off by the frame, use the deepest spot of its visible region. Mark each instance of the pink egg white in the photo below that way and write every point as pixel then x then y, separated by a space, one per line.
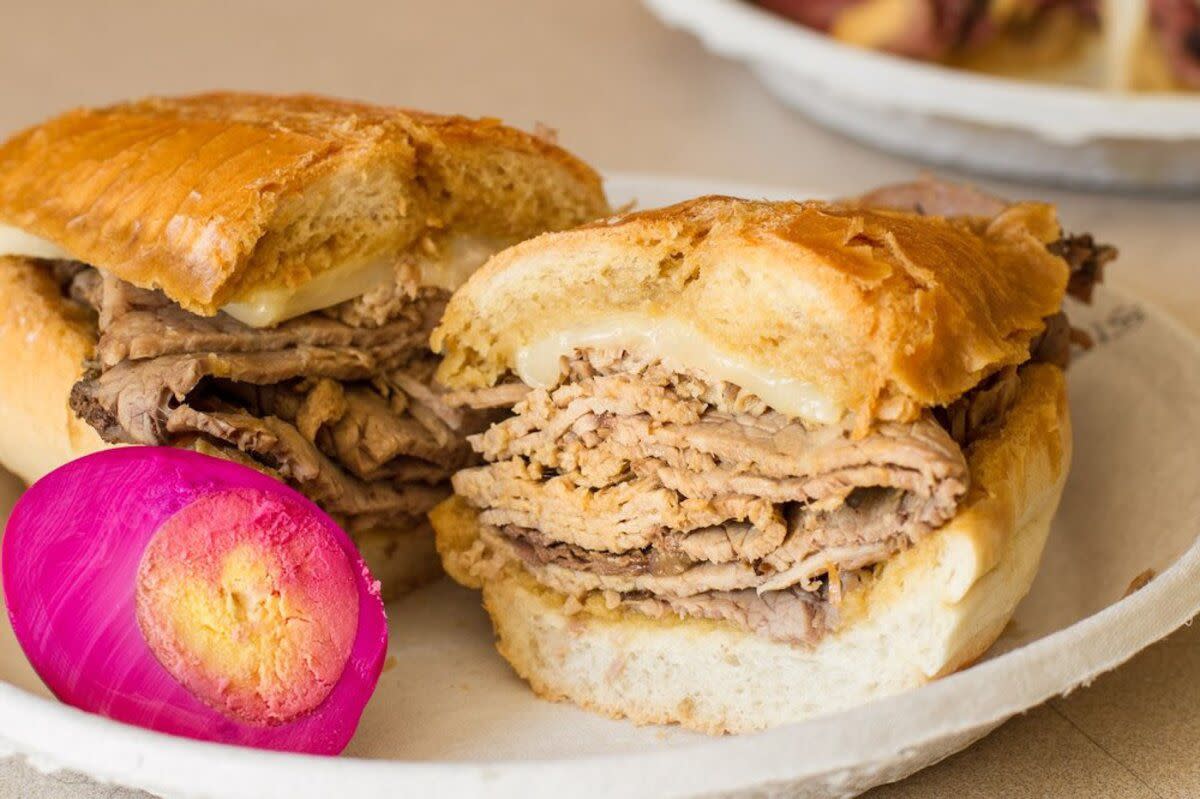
pixel 194 596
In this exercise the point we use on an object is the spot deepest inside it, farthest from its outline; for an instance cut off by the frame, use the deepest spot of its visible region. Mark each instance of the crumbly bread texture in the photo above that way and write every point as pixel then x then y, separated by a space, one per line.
pixel 44 340
pixel 887 311
pixel 210 196
pixel 927 612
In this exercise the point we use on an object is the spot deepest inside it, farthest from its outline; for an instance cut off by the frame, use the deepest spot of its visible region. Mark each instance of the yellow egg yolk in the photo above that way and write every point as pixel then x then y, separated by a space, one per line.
pixel 249 604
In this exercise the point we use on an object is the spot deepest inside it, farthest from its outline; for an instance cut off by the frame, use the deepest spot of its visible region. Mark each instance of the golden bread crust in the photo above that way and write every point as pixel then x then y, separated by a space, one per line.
pixel 1017 474
pixel 887 311
pixel 212 195
pixel 927 612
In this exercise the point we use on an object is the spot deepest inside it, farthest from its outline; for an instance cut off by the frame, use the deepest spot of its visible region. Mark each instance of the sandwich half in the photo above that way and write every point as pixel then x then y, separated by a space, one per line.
pixel 256 277
pixel 765 460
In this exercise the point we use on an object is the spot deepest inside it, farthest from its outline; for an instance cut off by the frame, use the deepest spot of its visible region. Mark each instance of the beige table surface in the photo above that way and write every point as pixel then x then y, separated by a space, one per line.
pixel 627 95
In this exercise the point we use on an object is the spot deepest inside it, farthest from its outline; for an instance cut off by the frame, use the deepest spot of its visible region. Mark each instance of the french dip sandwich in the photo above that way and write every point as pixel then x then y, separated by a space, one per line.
pixel 765 460
pixel 255 277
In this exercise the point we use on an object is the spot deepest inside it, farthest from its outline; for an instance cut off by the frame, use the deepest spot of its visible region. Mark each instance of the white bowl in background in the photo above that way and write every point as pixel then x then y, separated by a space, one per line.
pixel 1009 128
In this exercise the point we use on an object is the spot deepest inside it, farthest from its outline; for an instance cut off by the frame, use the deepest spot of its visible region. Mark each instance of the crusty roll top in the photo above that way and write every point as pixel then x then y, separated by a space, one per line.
pixel 214 196
pixel 883 312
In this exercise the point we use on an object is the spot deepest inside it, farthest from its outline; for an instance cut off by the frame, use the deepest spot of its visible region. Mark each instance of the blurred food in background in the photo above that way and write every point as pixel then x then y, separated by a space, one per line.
pixel 1163 49
pixel 1126 44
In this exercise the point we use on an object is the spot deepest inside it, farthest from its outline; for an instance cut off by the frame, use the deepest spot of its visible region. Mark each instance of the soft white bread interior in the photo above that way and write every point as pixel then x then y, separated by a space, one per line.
pixel 881 312
pixel 926 612
pixel 215 197
pixel 44 341
pixel 400 559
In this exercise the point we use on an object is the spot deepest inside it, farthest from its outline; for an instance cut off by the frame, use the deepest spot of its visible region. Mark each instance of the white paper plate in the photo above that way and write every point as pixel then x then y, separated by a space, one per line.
pixel 1010 128
pixel 450 719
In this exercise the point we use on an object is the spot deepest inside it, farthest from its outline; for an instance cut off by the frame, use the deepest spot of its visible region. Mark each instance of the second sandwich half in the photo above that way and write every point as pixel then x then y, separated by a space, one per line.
pixel 256 277
pixel 769 459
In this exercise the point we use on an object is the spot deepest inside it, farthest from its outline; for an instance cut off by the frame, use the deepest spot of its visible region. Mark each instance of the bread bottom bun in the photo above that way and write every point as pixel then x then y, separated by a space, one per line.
pixel 926 612
pixel 401 560
pixel 44 340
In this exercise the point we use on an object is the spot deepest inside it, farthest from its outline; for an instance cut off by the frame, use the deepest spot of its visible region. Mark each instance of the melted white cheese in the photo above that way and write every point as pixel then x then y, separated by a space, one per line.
pixel 268 306
pixel 540 363
pixel 457 260
pixel 447 268
pixel 14 241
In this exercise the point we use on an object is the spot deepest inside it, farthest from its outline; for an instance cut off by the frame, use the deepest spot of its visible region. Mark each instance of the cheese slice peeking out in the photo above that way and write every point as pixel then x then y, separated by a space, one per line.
pixel 447 267
pixel 679 344
pixel 14 241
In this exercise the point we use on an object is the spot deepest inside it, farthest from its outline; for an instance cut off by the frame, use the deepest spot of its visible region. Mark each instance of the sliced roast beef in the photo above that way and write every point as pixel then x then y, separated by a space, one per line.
pixel 169 330
pixel 366 431
pixel 675 494
pixel 1087 259
pixel 336 403
pixel 369 436
pixel 284 449
pixel 791 616
pixel 504 395
pixel 984 406
pixel 620 517
pixel 608 426
pixel 129 403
